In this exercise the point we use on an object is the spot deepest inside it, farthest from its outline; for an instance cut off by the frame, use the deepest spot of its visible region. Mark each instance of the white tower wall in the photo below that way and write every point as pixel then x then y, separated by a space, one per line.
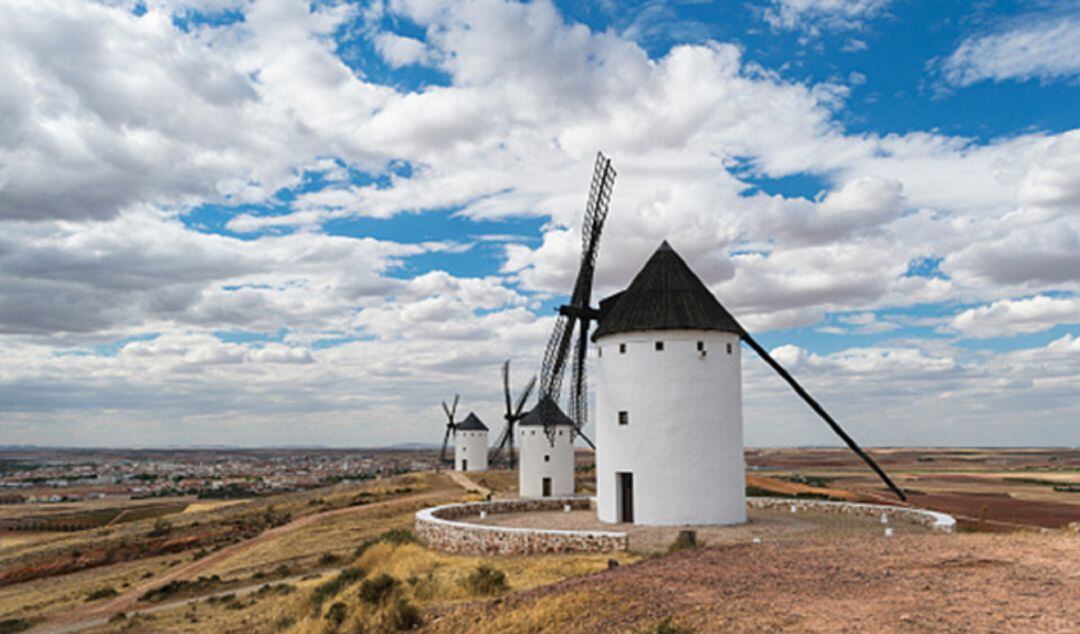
pixel 683 440
pixel 539 459
pixel 471 448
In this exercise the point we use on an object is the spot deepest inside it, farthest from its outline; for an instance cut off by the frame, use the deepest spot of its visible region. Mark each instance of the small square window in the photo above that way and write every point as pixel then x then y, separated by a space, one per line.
pixel 622 348
pixel 701 346
pixel 730 349
pixel 659 346
pixel 624 418
pixel 547 458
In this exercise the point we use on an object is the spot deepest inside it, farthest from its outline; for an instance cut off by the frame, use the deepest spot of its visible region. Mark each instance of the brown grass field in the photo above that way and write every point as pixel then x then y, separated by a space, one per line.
pixel 313 561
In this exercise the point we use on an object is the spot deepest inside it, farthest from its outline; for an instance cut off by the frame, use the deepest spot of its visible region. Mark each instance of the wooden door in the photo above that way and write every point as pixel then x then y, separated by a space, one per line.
pixel 547 487
pixel 626 497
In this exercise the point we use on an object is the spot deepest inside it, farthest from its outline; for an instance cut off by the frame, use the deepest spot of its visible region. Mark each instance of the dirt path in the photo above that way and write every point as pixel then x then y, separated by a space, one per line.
pixel 918 583
pixel 468 484
pixel 129 600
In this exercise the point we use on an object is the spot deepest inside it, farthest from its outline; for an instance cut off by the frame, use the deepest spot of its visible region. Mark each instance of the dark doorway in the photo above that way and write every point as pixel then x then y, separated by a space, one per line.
pixel 626 497
pixel 547 487
pixel 464 464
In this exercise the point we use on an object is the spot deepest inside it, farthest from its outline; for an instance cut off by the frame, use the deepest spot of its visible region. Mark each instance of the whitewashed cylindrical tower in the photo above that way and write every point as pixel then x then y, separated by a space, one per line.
pixel 545 464
pixel 669 429
pixel 471 444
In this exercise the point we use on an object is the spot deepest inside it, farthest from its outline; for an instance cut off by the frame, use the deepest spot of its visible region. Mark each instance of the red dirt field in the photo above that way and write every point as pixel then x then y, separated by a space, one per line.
pixel 1000 508
pixel 945 583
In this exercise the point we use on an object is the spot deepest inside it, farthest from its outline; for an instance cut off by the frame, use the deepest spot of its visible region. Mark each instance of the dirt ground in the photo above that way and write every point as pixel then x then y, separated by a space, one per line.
pixel 913 583
pixel 763 524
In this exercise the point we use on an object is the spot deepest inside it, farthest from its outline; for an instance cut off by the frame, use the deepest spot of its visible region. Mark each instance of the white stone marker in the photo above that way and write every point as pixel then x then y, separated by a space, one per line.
pixel 757 540
pixel 794 508
pixel 888 532
pixel 566 508
pixel 483 514
pixel 884 518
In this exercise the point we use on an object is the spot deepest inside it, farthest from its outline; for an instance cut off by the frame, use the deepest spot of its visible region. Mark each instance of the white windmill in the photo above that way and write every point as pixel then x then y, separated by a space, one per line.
pixel 669 392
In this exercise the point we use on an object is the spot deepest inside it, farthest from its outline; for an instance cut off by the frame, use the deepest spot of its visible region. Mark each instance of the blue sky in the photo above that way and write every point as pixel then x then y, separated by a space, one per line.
pixel 355 208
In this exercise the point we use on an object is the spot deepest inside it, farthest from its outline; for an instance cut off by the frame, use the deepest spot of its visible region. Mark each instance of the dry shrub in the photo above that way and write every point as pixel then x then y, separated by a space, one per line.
pixel 485 581
pixel 378 589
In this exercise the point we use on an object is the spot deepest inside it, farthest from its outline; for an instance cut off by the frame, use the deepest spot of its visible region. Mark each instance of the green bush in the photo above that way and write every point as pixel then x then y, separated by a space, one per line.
pixel 485 581
pixel 327 559
pixel 10 626
pixel 398 536
pixel 376 590
pixel 161 527
pixel 337 613
pixel 101 593
pixel 331 588
pixel 402 615
pixel 395 536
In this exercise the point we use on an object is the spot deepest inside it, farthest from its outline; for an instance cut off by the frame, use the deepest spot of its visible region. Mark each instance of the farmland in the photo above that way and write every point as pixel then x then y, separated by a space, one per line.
pixel 303 561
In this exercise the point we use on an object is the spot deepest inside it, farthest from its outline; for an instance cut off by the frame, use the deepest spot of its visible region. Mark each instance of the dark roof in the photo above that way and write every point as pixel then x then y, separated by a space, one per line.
pixel 665 295
pixel 471 423
pixel 548 409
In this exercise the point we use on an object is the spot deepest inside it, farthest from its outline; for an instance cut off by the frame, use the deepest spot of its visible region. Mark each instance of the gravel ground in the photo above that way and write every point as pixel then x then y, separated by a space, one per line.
pixel 765 524
pixel 912 583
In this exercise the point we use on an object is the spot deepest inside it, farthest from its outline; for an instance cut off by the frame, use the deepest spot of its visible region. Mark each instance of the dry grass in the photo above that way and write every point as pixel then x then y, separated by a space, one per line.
pixel 40 596
pixel 199 507
pixel 427 580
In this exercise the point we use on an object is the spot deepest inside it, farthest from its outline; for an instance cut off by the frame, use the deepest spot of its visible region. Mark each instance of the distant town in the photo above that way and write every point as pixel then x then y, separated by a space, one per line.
pixel 38 475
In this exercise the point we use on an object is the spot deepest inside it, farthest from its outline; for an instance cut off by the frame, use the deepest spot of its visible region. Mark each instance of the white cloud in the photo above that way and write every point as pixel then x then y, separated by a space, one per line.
pixel 1014 317
pixel 399 50
pixel 98 164
pixel 816 16
pixel 1044 48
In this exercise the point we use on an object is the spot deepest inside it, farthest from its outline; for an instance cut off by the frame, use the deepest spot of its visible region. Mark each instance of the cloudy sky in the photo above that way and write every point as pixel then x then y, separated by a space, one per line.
pixel 291 222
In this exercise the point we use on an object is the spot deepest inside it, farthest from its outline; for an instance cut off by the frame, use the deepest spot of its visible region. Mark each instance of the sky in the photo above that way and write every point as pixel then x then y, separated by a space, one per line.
pixel 261 223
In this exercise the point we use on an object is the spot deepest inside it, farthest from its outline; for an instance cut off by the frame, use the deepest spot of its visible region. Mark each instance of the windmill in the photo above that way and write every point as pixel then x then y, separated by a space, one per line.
pixel 450 411
pixel 577 313
pixel 513 415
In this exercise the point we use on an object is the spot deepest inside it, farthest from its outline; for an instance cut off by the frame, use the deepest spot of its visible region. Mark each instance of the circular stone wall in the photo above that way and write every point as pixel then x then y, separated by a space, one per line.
pixel 446 528
pixel 454 528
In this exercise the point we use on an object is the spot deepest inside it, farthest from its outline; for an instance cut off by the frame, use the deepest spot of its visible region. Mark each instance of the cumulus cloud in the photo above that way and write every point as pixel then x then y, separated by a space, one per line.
pixel 114 302
pixel 1015 317
pixel 1044 47
pixel 399 50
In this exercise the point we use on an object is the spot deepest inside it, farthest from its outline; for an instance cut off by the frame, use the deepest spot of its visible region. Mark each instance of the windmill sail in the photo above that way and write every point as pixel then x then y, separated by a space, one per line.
pixel 450 425
pixel 504 448
pixel 578 312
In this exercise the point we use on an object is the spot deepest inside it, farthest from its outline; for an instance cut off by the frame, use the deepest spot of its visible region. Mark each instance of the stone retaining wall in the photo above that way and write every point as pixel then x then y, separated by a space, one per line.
pixel 931 519
pixel 437 528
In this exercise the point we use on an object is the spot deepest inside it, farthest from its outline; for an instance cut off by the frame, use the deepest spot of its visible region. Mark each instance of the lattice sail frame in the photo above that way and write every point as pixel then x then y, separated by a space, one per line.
pixel 578 311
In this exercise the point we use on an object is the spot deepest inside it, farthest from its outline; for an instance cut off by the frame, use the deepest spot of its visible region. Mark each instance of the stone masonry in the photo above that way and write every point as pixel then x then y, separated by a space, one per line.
pixel 441 529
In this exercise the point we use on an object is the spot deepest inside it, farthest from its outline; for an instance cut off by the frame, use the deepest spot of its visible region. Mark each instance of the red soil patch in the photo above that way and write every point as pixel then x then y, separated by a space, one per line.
pixel 946 583
pixel 1000 508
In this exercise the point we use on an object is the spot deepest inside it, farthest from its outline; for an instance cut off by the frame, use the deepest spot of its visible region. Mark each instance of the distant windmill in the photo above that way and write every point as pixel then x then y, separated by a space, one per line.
pixel 504 449
pixel 450 411
pixel 577 312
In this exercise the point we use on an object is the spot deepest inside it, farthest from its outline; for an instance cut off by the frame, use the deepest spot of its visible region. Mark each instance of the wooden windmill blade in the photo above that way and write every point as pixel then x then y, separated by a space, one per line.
pixel 578 312
pixel 450 411
pixel 820 411
pixel 513 414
